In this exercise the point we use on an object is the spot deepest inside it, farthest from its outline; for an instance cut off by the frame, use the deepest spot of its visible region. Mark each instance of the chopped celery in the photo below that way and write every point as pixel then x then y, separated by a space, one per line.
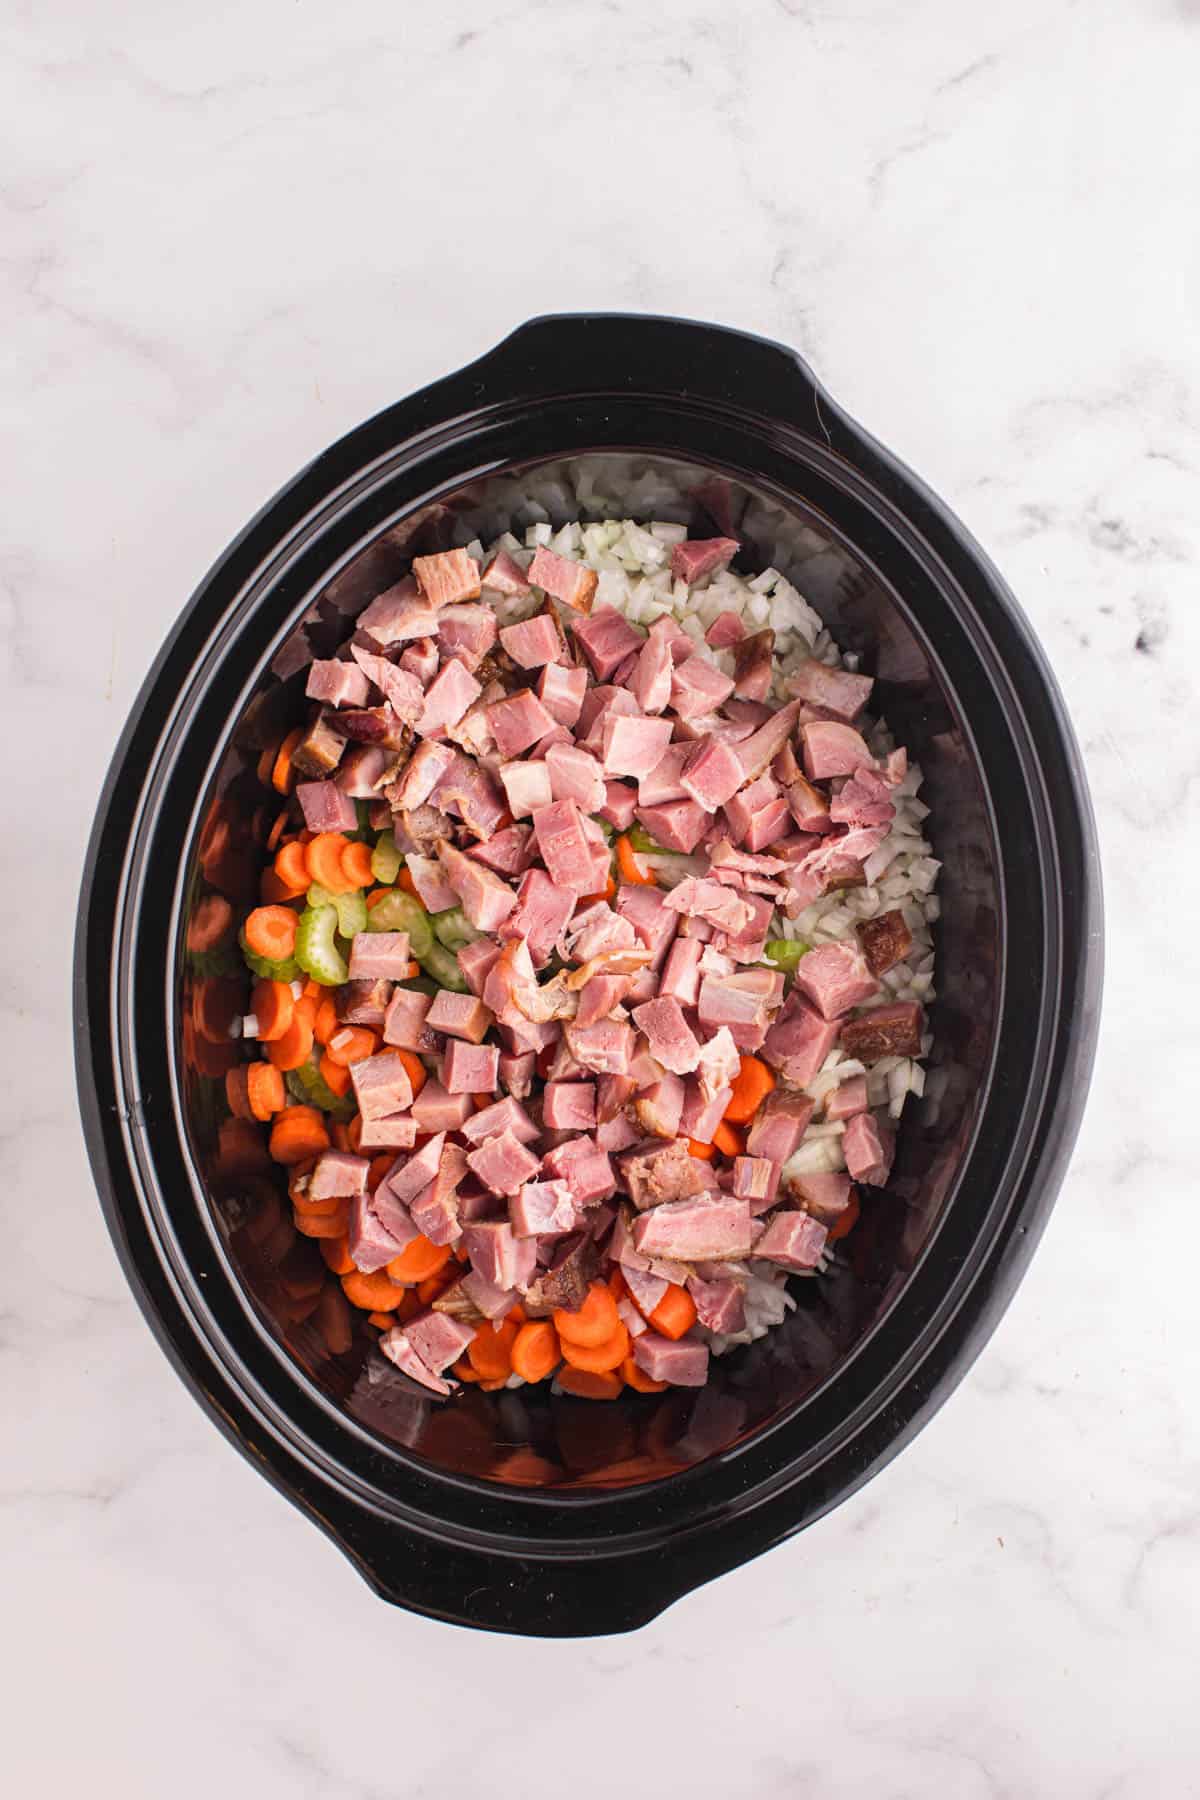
pixel 453 929
pixel 785 953
pixel 351 908
pixel 444 968
pixel 385 859
pixel 309 1086
pixel 645 845
pixel 316 947
pixel 287 970
pixel 398 911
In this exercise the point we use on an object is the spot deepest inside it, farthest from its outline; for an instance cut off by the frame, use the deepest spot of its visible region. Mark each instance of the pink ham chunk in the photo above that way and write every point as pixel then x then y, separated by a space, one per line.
pixel 792 1239
pixel 518 722
pixel 619 804
pixel 677 825
pixel 656 1173
pixel 398 615
pixel 756 1179
pixel 507 852
pixel 486 900
pixel 607 638
pixel 847 1099
pixel 799 1040
pixel 721 906
pixel 720 1305
pixel 575 775
pixel 517 1072
pixel 498 1254
pixel 326 807
pixel 542 1209
pixel 395 1346
pixel 824 1195
pixel 808 805
pixel 492 1301
pixel 361 772
pixel 569 1105
pixel 646 909
pixel 435 1109
pixel 710 1228
pixel 438 1339
pixel 447 699
pixel 754 666
pixel 585 1168
pixel 698 687
pixel 743 1002
pixel 658 1108
pixel 337 684
pixel 712 772
pixel 421 660
pixel 527 786
pixel 633 745
pixel 725 631
pixel 697 557
pixel 863 800
pixel 381 1085
pixel 459 1015
pixel 894 1029
pixel 680 1362
pixel 606 1048
pixel 404 1021
pixel 338 1174
pixel 779 1124
pixel 681 972
pixel 561 690
pixel 719 1063
pixel 616 1134
pixel 600 996
pixel 505 576
pixel 835 977
pixel 429 763
pixel 564 847
pixel 470 1068
pixel 671 1039
pixel 370 1241
pixel 467 632
pixel 447 576
pixel 650 680
pixel 837 690
pixel 833 749
pixel 568 581
pixel 397 1132
pixel 533 642
pixel 869 1148
pixel 541 912
pixel 702 1114
pixel 411 1175
pixel 504 1115
pixel 759 750
pixel 503 1164
pixel 665 780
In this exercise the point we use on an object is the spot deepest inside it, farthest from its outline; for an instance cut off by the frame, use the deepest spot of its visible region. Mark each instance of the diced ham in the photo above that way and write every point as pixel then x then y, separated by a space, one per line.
pixel 701 1116
pixel 434 1212
pixel 470 1068
pixel 363 771
pixel 599 996
pixel 565 1282
pixel 433 887
pixel 681 1362
pixel 759 750
pixel 837 690
pixel 607 638
pixel 363 1002
pixel 396 1347
pixel 585 1168
pixel 447 576
pixel 569 1105
pixel 808 805
pixel 397 1132
pixel 834 860
pixel 400 688
pixel 435 1109
pixel 326 807
pixel 698 687
pixel 508 852
pixel 371 1245
pixel 504 576
pixel 575 775
pixel 630 1317
pixel 499 1255
pixel 449 695
pixel 425 768
pixel 633 745
pixel 337 1174
pixel 718 1064
pixel 848 1098
pixel 681 973
pixel 619 804
pixel 712 1227
pixel 404 1021
pixel 831 748
pixel 671 1039
pixel 647 1288
pixel 470 792
pixel 656 1173
pixel 792 1239
pixel 779 1124
pixel 533 642
pixel 712 772
pixel 379 956
pixel 605 1047
pixel 697 557
pixel 823 1194
pixel 869 1148
pixel 503 1164
pixel 541 912
pixel 799 1040
pixel 561 690
pixel 893 1029
pixel 459 1015
pixel 337 684
pixel 835 977
pixel 486 900
pixel 753 665
pixel 492 1301
pixel 886 941
pixel 743 1002
pixel 527 787
pixel 665 780
pixel 398 614
pixel 518 721
pixel 568 581
pixel 438 1339
pixel 474 962
pixel 725 631
pixel 467 632
pixel 599 705
pixel 613 1135
pixel 563 845
pixel 381 1085
pixel 720 1305
pixel 677 825
pixel 542 1209
pixel 756 1179
pixel 723 908
pixel 646 909
pixel 420 659
pixel 378 725
pixel 517 1072
pixel 407 1178
pixel 650 681
pixel 864 799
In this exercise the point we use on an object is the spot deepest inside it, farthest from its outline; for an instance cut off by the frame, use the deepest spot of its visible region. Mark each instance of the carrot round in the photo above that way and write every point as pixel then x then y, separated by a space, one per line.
pixel 418 1075
pixel 264 1090
pixel 332 1227
pixel 419 1260
pixel 336 1252
pixel 628 864
pixel 429 1289
pixel 354 1131
pixel 490 1350
pixel 326 1023
pixel 847 1222
pixel 404 880
pixel 588 1386
pixel 463 1371
pixel 335 1075
pixel 600 1359
pixel 324 859
pixel 380 1166
pixel 283 775
pixel 728 1141
pixel 315 1209
pixel 535 1351
pixel 704 1151
pixel 638 1378
pixel 209 924
pixel 593 1324
pixel 753 1084
pixel 291 866
pixel 293 1049
pixel 675 1312
pixel 298 1131
pixel 351 1043
pixel 271 932
pixel 356 864
pixel 373 1293
pixel 272 1004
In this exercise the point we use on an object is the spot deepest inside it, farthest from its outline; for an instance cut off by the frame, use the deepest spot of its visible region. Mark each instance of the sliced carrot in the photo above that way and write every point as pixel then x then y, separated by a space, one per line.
pixel 335 1076
pixel 312 1209
pixel 354 1131
pixel 638 1378
pixel 429 1289
pixel 536 1352
pixel 378 894
pixel 336 1252
pixel 404 880
pixel 849 1219
pixel 595 1321
pixel 298 1131
pixel 356 864
pixel 293 1049
pixel 675 1312
pixel 417 1073
pixel 380 1166
pixel 265 764
pixel 462 1370
pixel 283 775
pixel 237 1092
pixel 340 1133
pixel 373 1293
pixel 332 1227
pixel 265 1090
pixel 728 1141
pixel 753 1084
pixel 384 1321
pixel 628 864
pixel 587 1386
pixel 419 1260
pixel 271 932
pixel 324 859
pixel 272 1004
pixel 291 866
pixel 600 1359
pixel 490 1350
pixel 326 1022
pixel 351 1043
pixel 616 1284
pixel 210 923
pixel 704 1151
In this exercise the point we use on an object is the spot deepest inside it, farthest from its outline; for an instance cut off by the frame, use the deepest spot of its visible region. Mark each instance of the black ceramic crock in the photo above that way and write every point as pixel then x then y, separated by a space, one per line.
pixel 519 1511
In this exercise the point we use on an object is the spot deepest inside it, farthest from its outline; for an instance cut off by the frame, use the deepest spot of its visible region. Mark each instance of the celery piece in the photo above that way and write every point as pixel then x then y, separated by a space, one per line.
pixel 443 966
pixel 785 953
pixel 385 859
pixel 316 947
pixel 453 929
pixel 398 911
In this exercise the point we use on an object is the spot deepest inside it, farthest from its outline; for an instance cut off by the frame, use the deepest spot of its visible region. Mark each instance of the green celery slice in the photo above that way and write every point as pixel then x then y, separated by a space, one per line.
pixel 453 929
pixel 385 859
pixel 316 947
pixel 785 953
pixel 398 911
pixel 444 968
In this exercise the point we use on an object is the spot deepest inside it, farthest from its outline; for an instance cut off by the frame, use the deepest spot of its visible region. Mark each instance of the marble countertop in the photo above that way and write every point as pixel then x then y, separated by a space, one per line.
pixel 229 234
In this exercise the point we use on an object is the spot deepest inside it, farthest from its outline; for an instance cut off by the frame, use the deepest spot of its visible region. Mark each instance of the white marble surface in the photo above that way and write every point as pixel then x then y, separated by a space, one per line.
pixel 229 233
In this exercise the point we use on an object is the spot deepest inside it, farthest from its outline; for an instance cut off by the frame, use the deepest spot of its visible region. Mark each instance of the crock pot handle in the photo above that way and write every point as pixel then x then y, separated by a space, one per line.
pixel 643 353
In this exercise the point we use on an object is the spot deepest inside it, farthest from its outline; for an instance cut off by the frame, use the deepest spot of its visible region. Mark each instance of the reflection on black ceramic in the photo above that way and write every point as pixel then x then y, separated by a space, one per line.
pixel 515 1510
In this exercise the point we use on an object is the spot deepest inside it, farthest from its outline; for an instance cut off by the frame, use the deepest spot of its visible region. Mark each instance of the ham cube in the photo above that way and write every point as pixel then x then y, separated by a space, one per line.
pixel 756 1179
pixel 438 1339
pixel 837 690
pixel 467 632
pixel 459 1015
pixel 697 557
pixel 360 774
pixel 504 1115
pixel 452 691
pixel 613 1135
pixel 410 1175
pixel 679 825
pixel 475 962
pixel 835 977
pixel 725 631
pixel 507 852
pixel 486 900
pixel 447 576
pixel 720 1305
pixel 421 659
pixel 886 941
pixel 518 722
pixel 681 972
pixel 742 1002
pixel 680 1362
pixel 561 691
pixel 893 1029
pixel 569 1105
pixel 619 804
pixel 326 807
pixel 656 1173
pixel 799 1040
pixel 469 1068
pixel 542 1209
pixel 527 786
pixel 337 684
pixel 606 1047
pixel 665 780
pixel 778 1125
pixel 701 1115
pixel 338 1174
pixel 633 745
pixel 671 1039
pixel 542 911
pixel 381 1085
pixel 754 666
pixel 425 768
pixel 395 1346
pixel 504 576
pixel 404 1021
pixel 862 800
pixel 848 1099
pixel 568 581
pixel 434 1109
pixel 869 1148
pixel 371 1244
pixel 646 909
pixel 564 847
pixel 517 1072
pixel 659 1108
pixel 397 1132
pixel 498 1254
pixel 833 749
pixel 585 1168
pixel 650 681
pixel 504 1165
pixel 607 638
pixel 808 805
pixel 574 775
pixel 792 1239
pixel 709 1227
pixel 398 614
pixel 712 772
pixel 824 1195
pixel 533 642
pixel 379 956
pixel 698 687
